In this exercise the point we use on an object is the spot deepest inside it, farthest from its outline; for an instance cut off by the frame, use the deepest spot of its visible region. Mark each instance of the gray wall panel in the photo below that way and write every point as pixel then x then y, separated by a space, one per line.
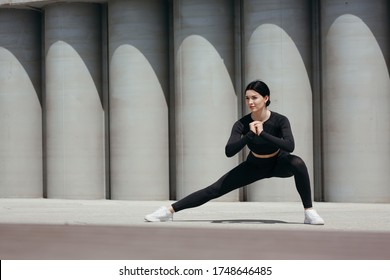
pixel 20 105
pixel 138 84
pixel 74 112
pixel 205 99
pixel 356 94
pixel 277 44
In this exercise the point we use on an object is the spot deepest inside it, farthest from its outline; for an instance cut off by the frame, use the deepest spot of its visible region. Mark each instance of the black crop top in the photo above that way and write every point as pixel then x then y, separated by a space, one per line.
pixel 276 135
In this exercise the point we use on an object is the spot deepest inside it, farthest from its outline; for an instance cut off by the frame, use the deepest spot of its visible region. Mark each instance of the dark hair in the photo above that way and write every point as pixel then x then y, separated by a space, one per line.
pixel 261 88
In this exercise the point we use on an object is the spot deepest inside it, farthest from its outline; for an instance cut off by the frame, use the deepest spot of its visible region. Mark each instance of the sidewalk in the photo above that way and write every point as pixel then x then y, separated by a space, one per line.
pixel 109 229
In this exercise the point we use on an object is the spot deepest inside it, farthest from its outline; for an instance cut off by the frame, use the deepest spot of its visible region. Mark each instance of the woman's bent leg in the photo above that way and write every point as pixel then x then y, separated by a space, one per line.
pixel 289 165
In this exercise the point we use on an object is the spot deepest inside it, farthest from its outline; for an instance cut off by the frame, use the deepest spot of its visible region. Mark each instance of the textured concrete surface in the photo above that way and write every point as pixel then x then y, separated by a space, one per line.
pixel 105 229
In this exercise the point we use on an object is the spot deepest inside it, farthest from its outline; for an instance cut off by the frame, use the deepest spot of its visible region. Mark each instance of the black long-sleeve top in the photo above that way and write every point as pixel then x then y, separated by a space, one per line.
pixel 276 135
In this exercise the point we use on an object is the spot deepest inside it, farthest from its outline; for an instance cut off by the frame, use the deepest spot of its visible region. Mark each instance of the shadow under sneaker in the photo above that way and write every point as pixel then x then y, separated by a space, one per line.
pixel 162 214
pixel 312 217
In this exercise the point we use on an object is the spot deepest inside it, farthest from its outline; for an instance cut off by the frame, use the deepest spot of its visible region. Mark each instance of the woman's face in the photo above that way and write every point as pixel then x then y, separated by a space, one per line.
pixel 255 101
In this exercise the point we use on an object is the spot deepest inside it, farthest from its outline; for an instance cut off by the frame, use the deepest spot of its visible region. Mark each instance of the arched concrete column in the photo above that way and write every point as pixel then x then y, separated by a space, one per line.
pixel 356 99
pixel 205 99
pixel 277 49
pixel 74 112
pixel 138 83
pixel 20 107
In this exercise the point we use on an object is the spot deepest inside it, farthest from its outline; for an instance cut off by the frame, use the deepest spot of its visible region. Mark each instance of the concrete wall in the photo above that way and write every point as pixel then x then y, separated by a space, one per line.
pixel 138 102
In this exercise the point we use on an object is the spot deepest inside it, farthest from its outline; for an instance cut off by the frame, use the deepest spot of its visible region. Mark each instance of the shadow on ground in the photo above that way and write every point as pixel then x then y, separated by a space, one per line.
pixel 239 221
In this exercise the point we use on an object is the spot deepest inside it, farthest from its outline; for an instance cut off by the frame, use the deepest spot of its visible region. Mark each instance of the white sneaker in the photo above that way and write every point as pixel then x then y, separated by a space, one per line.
pixel 312 217
pixel 162 214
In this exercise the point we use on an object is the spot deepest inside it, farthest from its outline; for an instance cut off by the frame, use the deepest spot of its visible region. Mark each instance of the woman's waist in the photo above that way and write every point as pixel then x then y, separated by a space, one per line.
pixel 266 155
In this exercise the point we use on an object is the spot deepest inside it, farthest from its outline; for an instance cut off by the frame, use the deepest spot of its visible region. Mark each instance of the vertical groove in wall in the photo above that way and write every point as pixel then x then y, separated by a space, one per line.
pixel 317 102
pixel 43 82
pixel 171 105
pixel 105 99
pixel 239 68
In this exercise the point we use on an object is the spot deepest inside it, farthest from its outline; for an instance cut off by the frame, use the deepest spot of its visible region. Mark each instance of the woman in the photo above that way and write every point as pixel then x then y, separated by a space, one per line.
pixel 269 138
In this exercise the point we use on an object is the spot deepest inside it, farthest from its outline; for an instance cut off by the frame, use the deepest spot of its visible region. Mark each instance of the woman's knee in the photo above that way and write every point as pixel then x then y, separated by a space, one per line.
pixel 297 163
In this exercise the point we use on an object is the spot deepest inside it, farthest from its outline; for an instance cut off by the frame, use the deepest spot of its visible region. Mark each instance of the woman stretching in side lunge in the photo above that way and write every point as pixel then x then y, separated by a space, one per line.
pixel 270 141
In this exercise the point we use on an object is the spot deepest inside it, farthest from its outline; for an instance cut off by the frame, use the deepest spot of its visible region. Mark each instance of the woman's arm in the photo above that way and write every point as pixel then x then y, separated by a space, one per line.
pixel 286 142
pixel 236 141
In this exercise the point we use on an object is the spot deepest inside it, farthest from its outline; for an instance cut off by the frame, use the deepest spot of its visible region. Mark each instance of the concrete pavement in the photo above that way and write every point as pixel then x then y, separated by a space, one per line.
pixel 109 229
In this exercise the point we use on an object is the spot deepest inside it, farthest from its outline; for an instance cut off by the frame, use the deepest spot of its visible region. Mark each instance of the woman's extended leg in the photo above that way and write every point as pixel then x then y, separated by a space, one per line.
pixel 242 175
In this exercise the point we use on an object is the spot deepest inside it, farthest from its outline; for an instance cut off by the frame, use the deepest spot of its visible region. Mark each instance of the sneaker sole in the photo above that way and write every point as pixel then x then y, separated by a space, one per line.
pixel 315 224
pixel 156 220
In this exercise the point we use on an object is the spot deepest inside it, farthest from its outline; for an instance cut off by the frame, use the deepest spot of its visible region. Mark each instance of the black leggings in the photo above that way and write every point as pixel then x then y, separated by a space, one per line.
pixel 253 169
